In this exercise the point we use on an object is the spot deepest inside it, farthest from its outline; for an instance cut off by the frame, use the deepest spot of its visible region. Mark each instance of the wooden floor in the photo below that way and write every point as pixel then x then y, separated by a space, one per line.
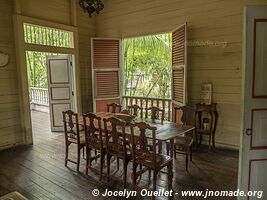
pixel 38 171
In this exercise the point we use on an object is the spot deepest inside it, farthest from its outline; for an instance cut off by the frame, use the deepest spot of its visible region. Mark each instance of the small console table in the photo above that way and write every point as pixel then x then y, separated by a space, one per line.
pixel 206 118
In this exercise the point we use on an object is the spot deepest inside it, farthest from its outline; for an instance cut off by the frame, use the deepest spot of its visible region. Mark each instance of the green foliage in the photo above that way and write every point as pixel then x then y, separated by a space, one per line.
pixel 37 74
pixel 37 68
pixel 148 66
pixel 47 36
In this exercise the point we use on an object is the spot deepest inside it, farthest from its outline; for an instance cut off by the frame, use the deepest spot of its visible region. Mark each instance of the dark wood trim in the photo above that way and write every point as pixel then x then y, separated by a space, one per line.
pixel 249 173
pixel 254 60
pixel 251 136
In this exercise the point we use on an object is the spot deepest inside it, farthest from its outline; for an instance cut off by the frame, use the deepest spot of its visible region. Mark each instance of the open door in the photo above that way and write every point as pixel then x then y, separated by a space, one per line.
pixel 179 68
pixel 253 148
pixel 60 73
pixel 106 72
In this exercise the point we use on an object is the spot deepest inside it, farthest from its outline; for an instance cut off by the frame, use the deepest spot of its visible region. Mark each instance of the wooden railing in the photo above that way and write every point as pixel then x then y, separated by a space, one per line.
pixel 146 102
pixel 39 96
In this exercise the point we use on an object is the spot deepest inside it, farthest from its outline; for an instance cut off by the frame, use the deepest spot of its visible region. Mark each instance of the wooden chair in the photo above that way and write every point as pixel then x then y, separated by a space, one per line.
pixel 147 158
pixel 73 136
pixel 114 108
pixel 117 146
pixel 134 109
pixel 93 141
pixel 183 144
pixel 156 113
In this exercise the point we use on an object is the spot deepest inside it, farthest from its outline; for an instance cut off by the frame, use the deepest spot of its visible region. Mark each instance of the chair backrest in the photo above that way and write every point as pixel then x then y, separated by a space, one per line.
pixel 114 108
pixel 126 112
pixel 156 113
pixel 183 115
pixel 115 136
pixel 71 126
pixel 134 109
pixel 93 134
pixel 140 149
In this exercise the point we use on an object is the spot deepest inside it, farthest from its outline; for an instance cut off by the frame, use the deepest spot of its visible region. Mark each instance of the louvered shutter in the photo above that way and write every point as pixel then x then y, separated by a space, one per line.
pixel 106 69
pixel 179 69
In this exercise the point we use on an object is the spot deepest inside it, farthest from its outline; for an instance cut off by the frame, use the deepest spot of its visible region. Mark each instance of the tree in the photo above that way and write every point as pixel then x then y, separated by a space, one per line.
pixel 148 66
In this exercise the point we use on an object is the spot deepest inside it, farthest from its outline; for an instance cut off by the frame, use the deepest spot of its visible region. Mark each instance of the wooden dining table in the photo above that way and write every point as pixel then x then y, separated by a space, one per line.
pixel 166 131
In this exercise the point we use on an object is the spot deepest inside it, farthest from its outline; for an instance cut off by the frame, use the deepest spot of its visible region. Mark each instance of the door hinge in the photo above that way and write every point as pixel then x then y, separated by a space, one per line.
pixel 72 93
pixel 70 63
pixel 248 131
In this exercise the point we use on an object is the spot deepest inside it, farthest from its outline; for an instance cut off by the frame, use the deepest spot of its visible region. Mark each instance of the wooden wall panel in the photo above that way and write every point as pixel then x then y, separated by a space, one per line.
pixel 214 48
pixel 51 10
pixel 86 29
pixel 10 122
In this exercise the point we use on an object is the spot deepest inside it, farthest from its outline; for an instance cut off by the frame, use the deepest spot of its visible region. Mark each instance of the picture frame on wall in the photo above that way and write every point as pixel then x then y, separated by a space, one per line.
pixel 206 93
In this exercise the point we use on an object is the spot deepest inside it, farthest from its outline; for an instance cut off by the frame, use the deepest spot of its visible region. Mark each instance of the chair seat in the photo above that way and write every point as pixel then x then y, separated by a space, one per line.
pixel 98 147
pixel 184 140
pixel 82 138
pixel 161 161
pixel 203 131
pixel 121 154
pixel 183 144
pixel 128 156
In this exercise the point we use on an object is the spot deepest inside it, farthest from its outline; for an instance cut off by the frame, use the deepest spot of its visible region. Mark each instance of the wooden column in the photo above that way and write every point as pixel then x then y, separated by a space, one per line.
pixel 73 13
pixel 17 7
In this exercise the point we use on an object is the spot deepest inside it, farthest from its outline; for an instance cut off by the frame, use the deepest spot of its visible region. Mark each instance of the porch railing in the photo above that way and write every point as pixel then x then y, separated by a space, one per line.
pixel 39 96
pixel 146 102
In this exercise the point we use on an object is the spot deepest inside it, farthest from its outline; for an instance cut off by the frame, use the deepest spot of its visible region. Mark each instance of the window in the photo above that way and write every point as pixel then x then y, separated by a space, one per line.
pixel 40 35
pixel 148 66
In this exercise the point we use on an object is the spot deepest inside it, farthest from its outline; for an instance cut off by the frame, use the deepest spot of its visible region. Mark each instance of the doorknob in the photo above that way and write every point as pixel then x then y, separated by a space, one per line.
pixel 249 131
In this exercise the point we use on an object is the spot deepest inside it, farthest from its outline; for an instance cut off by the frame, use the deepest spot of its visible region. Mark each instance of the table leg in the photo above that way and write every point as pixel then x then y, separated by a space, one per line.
pixel 168 148
pixel 171 147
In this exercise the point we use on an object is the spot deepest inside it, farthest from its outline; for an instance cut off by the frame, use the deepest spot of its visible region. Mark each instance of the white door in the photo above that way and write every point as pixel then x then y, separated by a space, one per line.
pixel 253 151
pixel 60 73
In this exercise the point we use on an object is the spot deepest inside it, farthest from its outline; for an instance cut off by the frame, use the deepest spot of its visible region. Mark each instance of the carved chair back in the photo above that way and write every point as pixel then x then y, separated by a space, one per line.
pixel 71 126
pixel 93 134
pixel 156 113
pixel 134 109
pixel 114 108
pixel 183 115
pixel 141 150
pixel 115 137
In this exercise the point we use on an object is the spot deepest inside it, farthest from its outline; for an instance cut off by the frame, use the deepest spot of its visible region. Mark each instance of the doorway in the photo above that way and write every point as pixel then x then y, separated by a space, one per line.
pixel 50 59
pixel 51 88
